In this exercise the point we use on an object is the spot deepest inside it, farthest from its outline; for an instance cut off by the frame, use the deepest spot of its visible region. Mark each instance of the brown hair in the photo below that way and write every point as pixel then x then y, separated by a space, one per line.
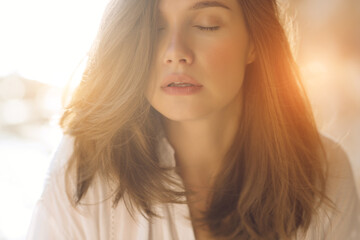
pixel 275 172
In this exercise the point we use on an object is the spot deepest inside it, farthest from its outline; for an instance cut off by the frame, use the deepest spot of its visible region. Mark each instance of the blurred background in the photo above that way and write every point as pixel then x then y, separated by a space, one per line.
pixel 43 45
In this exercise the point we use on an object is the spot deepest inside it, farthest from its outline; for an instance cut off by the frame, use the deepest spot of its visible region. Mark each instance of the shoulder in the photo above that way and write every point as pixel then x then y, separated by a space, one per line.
pixel 61 155
pixel 61 181
pixel 343 222
pixel 340 175
pixel 340 179
pixel 336 157
pixel 55 216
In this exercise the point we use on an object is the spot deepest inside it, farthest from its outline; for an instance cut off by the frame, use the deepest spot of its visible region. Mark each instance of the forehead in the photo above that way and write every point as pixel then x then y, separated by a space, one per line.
pixel 194 5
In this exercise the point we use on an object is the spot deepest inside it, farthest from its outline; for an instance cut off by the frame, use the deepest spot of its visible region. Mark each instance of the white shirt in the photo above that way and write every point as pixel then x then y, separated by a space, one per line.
pixel 55 218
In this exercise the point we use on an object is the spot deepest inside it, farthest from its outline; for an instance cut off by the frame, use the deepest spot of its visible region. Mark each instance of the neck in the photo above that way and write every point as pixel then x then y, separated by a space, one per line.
pixel 201 145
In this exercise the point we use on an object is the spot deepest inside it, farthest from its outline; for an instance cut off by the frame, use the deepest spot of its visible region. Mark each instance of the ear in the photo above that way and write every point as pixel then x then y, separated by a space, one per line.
pixel 251 55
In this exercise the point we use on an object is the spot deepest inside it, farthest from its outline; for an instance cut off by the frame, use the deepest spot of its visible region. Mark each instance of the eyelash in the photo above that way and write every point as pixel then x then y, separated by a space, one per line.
pixel 214 28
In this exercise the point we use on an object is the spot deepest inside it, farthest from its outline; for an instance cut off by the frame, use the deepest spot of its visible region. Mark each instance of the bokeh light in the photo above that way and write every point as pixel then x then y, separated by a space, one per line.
pixel 43 45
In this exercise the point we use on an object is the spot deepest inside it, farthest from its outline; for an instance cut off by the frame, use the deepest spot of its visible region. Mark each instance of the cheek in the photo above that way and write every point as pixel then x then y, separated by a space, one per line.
pixel 226 61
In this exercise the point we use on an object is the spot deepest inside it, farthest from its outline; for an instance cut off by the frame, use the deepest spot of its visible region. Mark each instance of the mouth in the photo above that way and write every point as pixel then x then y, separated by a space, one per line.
pixel 180 84
pixel 179 81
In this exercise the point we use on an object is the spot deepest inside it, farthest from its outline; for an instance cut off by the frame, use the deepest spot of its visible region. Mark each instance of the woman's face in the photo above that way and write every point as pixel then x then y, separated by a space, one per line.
pixel 202 50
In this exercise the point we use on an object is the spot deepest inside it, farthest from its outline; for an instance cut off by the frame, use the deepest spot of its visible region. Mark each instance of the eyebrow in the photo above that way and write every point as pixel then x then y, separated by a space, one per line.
pixel 206 4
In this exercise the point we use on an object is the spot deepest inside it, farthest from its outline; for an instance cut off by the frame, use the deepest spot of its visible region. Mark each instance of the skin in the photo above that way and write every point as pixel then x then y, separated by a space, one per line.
pixel 201 126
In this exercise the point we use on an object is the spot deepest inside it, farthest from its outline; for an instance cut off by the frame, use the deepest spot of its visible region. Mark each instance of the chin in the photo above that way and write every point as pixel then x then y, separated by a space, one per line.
pixel 182 116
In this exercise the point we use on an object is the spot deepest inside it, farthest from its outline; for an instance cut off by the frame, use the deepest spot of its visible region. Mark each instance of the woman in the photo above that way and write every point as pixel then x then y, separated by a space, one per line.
pixel 191 122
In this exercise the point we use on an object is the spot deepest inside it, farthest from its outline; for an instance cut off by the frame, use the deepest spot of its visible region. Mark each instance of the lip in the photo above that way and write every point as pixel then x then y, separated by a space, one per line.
pixel 179 77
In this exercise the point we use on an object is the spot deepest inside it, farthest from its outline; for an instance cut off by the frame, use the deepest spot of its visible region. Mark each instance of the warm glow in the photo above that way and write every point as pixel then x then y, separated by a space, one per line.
pixel 46 40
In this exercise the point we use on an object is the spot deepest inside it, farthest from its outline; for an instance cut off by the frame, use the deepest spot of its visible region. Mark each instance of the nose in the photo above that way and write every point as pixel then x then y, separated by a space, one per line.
pixel 178 50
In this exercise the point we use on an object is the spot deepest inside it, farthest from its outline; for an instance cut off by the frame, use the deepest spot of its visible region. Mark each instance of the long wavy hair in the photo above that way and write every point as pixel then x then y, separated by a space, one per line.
pixel 275 174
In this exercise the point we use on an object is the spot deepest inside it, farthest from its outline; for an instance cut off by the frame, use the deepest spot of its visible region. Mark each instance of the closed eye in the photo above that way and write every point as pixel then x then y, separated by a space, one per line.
pixel 202 28
pixel 212 28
